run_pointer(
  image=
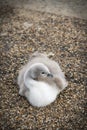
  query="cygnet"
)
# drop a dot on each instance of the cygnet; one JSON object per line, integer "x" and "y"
{"x": 41, "y": 80}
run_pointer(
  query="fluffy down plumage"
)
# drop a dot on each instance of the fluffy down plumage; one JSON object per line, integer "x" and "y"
{"x": 41, "y": 80}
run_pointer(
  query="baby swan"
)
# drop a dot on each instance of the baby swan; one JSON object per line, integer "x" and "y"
{"x": 38, "y": 83}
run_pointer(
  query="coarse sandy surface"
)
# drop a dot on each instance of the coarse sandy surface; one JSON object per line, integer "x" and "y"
{"x": 23, "y": 32}
{"x": 71, "y": 8}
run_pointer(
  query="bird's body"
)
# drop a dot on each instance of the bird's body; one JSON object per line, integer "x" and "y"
{"x": 41, "y": 80}
{"x": 41, "y": 94}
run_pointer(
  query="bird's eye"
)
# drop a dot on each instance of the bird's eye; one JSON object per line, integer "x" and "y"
{"x": 43, "y": 73}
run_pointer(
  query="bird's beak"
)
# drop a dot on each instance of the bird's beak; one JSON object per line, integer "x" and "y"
{"x": 50, "y": 75}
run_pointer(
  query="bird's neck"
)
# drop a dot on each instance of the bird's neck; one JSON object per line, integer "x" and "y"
{"x": 29, "y": 82}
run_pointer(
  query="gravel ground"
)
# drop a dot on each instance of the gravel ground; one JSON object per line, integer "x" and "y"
{"x": 71, "y": 8}
{"x": 23, "y": 32}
